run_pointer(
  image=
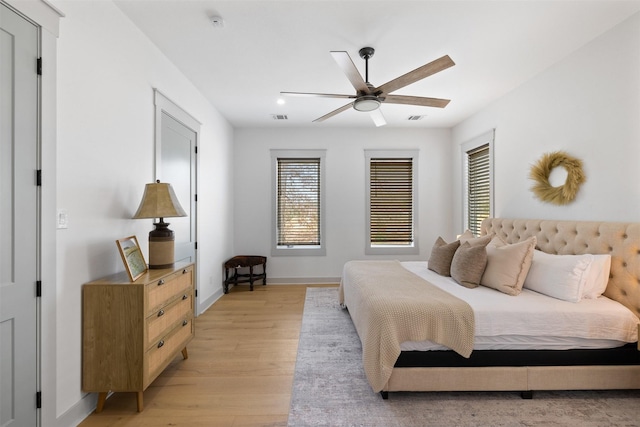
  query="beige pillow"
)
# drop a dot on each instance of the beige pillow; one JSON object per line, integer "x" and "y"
{"x": 468, "y": 236}
{"x": 508, "y": 265}
{"x": 441, "y": 256}
{"x": 468, "y": 264}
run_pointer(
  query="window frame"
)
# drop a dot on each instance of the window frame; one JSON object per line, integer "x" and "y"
{"x": 413, "y": 249}
{"x": 302, "y": 250}
{"x": 471, "y": 145}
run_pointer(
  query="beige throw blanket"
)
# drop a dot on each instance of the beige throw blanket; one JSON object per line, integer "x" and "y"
{"x": 389, "y": 305}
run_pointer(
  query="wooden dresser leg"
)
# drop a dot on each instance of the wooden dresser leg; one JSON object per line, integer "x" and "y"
{"x": 185, "y": 355}
{"x": 102, "y": 396}
{"x": 140, "y": 400}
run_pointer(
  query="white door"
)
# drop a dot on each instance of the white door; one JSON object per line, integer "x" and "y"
{"x": 178, "y": 168}
{"x": 18, "y": 219}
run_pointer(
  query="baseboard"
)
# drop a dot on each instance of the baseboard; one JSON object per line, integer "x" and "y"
{"x": 303, "y": 280}
{"x": 204, "y": 305}
{"x": 78, "y": 412}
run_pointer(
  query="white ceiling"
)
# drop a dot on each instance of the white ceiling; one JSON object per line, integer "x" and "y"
{"x": 270, "y": 46}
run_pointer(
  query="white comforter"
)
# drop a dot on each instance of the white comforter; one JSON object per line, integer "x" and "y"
{"x": 531, "y": 314}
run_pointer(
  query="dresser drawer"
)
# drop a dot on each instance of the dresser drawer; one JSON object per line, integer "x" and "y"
{"x": 163, "y": 351}
{"x": 161, "y": 292}
{"x": 160, "y": 322}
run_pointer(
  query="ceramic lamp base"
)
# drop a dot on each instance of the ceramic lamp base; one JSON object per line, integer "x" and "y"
{"x": 161, "y": 246}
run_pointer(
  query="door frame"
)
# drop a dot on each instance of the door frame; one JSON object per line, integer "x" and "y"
{"x": 165, "y": 105}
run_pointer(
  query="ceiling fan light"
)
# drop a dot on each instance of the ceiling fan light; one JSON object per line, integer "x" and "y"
{"x": 366, "y": 103}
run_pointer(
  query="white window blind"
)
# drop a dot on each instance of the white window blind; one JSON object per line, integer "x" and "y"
{"x": 298, "y": 202}
{"x": 478, "y": 187}
{"x": 391, "y": 201}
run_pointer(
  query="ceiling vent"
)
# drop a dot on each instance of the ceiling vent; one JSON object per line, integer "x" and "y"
{"x": 414, "y": 118}
{"x": 280, "y": 117}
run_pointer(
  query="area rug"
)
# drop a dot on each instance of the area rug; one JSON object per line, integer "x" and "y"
{"x": 330, "y": 388}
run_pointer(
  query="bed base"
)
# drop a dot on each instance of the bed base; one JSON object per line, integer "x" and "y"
{"x": 514, "y": 378}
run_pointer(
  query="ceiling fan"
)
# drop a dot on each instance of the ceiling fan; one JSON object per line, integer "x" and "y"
{"x": 368, "y": 97}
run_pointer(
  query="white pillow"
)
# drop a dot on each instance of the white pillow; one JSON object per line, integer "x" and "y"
{"x": 598, "y": 278}
{"x": 559, "y": 276}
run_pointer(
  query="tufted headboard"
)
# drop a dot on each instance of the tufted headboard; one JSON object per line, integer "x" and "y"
{"x": 620, "y": 239}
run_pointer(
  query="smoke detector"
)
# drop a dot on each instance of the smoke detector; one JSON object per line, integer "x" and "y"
{"x": 217, "y": 21}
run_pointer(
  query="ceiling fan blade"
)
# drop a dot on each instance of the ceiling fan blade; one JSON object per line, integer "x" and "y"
{"x": 417, "y": 100}
{"x": 317, "y": 95}
{"x": 349, "y": 69}
{"x": 378, "y": 118}
{"x": 334, "y": 112}
{"x": 418, "y": 74}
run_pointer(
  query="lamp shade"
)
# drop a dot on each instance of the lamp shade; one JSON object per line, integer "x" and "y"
{"x": 159, "y": 201}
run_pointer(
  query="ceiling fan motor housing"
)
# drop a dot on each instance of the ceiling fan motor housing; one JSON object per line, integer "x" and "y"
{"x": 366, "y": 103}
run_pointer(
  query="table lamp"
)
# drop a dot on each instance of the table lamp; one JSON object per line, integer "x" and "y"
{"x": 159, "y": 201}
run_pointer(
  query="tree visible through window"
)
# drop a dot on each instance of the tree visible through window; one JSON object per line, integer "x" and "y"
{"x": 298, "y": 202}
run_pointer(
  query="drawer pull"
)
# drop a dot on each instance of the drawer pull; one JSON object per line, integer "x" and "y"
{"x": 185, "y": 322}
{"x": 184, "y": 297}
{"x": 161, "y": 343}
{"x": 161, "y": 313}
{"x": 160, "y": 282}
{"x": 184, "y": 271}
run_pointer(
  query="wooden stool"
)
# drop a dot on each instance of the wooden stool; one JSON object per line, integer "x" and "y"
{"x": 241, "y": 261}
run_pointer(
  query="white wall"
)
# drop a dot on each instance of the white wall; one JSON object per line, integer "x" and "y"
{"x": 588, "y": 105}
{"x": 107, "y": 70}
{"x": 345, "y": 193}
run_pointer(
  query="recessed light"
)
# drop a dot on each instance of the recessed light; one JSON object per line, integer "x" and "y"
{"x": 280, "y": 101}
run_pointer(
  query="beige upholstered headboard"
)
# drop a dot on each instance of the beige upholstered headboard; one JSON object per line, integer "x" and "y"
{"x": 621, "y": 240}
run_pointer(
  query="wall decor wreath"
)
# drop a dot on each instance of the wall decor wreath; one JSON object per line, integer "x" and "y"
{"x": 562, "y": 194}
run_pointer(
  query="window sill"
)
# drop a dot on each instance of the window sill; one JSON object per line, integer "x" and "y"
{"x": 298, "y": 251}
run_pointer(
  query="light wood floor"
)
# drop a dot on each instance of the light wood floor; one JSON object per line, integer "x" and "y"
{"x": 239, "y": 371}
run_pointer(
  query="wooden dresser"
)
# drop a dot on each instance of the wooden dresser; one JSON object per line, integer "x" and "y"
{"x": 131, "y": 331}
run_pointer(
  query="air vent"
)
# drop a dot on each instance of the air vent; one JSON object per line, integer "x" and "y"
{"x": 414, "y": 118}
{"x": 279, "y": 117}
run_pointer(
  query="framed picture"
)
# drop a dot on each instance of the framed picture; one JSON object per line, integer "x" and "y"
{"x": 132, "y": 257}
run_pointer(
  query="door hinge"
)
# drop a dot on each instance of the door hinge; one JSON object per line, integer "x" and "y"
{"x": 196, "y": 148}
{"x": 195, "y": 197}
{"x": 196, "y": 245}
{"x": 38, "y": 288}
{"x": 39, "y": 66}
{"x": 39, "y": 400}
{"x": 196, "y": 293}
{"x": 39, "y": 177}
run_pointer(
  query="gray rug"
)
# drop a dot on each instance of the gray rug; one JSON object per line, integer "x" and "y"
{"x": 330, "y": 388}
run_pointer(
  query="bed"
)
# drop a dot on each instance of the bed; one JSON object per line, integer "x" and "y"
{"x": 589, "y": 348}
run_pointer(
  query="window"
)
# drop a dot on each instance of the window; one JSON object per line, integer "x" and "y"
{"x": 391, "y": 202}
{"x": 298, "y": 214}
{"x": 479, "y": 181}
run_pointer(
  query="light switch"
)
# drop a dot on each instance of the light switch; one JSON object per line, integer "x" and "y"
{"x": 63, "y": 219}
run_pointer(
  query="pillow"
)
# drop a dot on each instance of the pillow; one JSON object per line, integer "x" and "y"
{"x": 441, "y": 256}
{"x": 468, "y": 264}
{"x": 559, "y": 276}
{"x": 598, "y": 277}
{"x": 468, "y": 236}
{"x": 508, "y": 265}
